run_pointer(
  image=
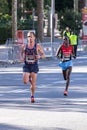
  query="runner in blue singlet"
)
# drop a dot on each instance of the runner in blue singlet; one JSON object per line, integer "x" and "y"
{"x": 30, "y": 54}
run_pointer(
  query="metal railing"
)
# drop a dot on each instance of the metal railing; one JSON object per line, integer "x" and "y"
{"x": 11, "y": 52}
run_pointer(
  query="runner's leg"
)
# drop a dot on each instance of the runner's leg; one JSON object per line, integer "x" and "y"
{"x": 33, "y": 83}
{"x": 26, "y": 77}
{"x": 64, "y": 74}
{"x": 68, "y": 72}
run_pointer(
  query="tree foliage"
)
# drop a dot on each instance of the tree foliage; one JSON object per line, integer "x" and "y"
{"x": 71, "y": 19}
{"x": 64, "y": 8}
{"x": 4, "y": 8}
{"x": 62, "y": 5}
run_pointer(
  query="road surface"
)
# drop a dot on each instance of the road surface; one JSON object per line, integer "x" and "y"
{"x": 51, "y": 111}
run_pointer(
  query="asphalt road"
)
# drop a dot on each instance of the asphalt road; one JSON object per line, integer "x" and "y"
{"x": 51, "y": 111}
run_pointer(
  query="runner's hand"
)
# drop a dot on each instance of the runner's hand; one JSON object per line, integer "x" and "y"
{"x": 22, "y": 60}
{"x": 38, "y": 57}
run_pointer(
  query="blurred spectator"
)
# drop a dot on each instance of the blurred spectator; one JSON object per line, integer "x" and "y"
{"x": 74, "y": 42}
{"x": 66, "y": 32}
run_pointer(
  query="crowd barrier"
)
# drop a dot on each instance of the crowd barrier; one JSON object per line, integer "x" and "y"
{"x": 11, "y": 50}
{"x": 50, "y": 49}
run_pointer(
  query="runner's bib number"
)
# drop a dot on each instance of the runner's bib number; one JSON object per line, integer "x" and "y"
{"x": 66, "y": 58}
{"x": 30, "y": 59}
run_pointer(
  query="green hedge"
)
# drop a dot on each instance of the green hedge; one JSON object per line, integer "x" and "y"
{"x": 27, "y": 24}
{"x": 6, "y": 29}
{"x": 71, "y": 19}
{"x": 5, "y": 33}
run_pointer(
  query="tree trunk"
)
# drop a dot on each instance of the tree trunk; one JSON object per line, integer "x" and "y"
{"x": 40, "y": 20}
{"x": 14, "y": 19}
{"x": 76, "y": 6}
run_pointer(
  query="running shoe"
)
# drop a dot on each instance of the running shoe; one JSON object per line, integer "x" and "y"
{"x": 32, "y": 99}
{"x": 65, "y": 92}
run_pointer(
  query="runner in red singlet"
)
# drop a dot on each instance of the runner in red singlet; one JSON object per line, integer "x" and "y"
{"x": 65, "y": 54}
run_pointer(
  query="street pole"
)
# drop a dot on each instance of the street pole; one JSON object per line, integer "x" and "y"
{"x": 52, "y": 19}
{"x": 52, "y": 22}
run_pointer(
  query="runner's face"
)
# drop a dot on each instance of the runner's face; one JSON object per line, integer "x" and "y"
{"x": 31, "y": 37}
{"x": 66, "y": 41}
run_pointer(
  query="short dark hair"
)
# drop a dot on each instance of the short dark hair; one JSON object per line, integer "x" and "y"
{"x": 32, "y": 33}
{"x": 66, "y": 38}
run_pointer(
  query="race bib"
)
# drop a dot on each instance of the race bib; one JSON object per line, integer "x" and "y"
{"x": 67, "y": 57}
{"x": 30, "y": 59}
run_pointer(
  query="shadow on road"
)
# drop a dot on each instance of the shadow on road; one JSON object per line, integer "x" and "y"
{"x": 11, "y": 127}
{"x": 49, "y": 93}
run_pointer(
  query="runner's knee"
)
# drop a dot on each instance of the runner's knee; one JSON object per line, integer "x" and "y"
{"x": 25, "y": 81}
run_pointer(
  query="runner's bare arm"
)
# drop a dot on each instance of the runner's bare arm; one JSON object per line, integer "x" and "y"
{"x": 59, "y": 53}
{"x": 40, "y": 51}
{"x": 22, "y": 53}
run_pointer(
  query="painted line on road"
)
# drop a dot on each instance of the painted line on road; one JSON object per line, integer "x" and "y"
{"x": 44, "y": 70}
